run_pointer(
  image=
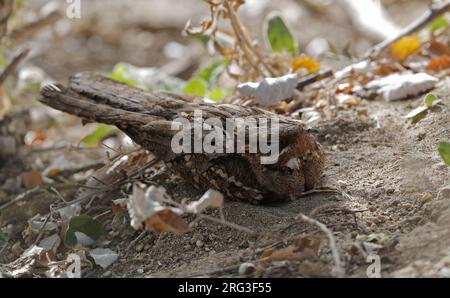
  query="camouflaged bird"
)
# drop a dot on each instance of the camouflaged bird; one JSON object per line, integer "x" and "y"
{"x": 147, "y": 119}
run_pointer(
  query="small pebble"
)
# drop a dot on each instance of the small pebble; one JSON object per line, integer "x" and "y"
{"x": 140, "y": 271}
{"x": 139, "y": 247}
{"x": 444, "y": 193}
{"x": 199, "y": 243}
{"x": 246, "y": 269}
{"x": 414, "y": 220}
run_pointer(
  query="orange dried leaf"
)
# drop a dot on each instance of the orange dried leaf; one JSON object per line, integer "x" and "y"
{"x": 287, "y": 253}
{"x": 117, "y": 209}
{"x": 166, "y": 221}
{"x": 438, "y": 48}
{"x": 32, "y": 179}
{"x": 383, "y": 70}
{"x": 439, "y": 63}
{"x": 267, "y": 253}
{"x": 404, "y": 47}
{"x": 305, "y": 62}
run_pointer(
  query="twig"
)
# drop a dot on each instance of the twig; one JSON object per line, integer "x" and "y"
{"x": 41, "y": 229}
{"x": 229, "y": 224}
{"x": 138, "y": 238}
{"x": 436, "y": 10}
{"x": 229, "y": 269}
{"x": 13, "y": 64}
{"x": 169, "y": 200}
{"x": 79, "y": 168}
{"x": 5, "y": 12}
{"x": 4, "y": 247}
{"x": 238, "y": 30}
{"x": 310, "y": 79}
{"x": 338, "y": 270}
{"x": 31, "y": 29}
{"x": 60, "y": 196}
{"x": 20, "y": 197}
{"x": 319, "y": 190}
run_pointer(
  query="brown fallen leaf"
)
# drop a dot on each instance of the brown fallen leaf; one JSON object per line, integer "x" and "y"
{"x": 438, "y": 48}
{"x": 287, "y": 253}
{"x": 32, "y": 179}
{"x": 439, "y": 63}
{"x": 384, "y": 70}
{"x": 166, "y": 221}
{"x": 117, "y": 209}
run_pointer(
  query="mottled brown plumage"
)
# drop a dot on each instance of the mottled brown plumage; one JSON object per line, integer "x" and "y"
{"x": 147, "y": 119}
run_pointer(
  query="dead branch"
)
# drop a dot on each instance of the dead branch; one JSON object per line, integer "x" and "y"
{"x": 338, "y": 270}
{"x": 13, "y": 64}
{"x": 31, "y": 29}
{"x": 6, "y": 8}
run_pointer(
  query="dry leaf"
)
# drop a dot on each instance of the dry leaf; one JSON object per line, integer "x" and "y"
{"x": 404, "y": 47}
{"x": 439, "y": 63}
{"x": 383, "y": 70}
{"x": 306, "y": 62}
{"x": 146, "y": 207}
{"x": 400, "y": 86}
{"x": 287, "y": 253}
{"x": 270, "y": 91}
{"x": 118, "y": 209}
{"x": 438, "y": 48}
{"x": 308, "y": 243}
{"x": 166, "y": 221}
{"x": 33, "y": 137}
{"x": 211, "y": 199}
{"x": 348, "y": 100}
{"x": 32, "y": 179}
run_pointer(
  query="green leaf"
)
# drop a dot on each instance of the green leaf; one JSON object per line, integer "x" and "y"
{"x": 84, "y": 224}
{"x": 444, "y": 151}
{"x": 212, "y": 71}
{"x": 120, "y": 74}
{"x": 279, "y": 36}
{"x": 418, "y": 114}
{"x": 101, "y": 132}
{"x": 438, "y": 24}
{"x": 196, "y": 87}
{"x": 429, "y": 99}
{"x": 332, "y": 48}
{"x": 217, "y": 94}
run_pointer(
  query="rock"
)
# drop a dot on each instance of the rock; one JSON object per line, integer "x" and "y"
{"x": 104, "y": 257}
{"x": 444, "y": 193}
{"x": 199, "y": 243}
{"x": 414, "y": 220}
{"x": 139, "y": 247}
{"x": 246, "y": 269}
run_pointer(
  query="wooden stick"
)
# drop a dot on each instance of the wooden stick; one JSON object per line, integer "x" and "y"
{"x": 5, "y": 12}
{"x": 13, "y": 64}
{"x": 338, "y": 270}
